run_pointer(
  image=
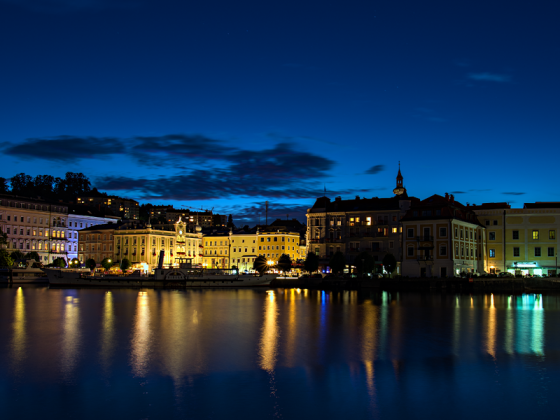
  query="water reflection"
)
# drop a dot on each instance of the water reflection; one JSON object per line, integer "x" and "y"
{"x": 107, "y": 332}
{"x": 141, "y": 339}
{"x": 369, "y": 344}
{"x": 491, "y": 329}
{"x": 268, "y": 348}
{"x": 70, "y": 336}
{"x": 19, "y": 332}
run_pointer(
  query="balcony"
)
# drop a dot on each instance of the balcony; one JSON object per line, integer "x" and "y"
{"x": 425, "y": 238}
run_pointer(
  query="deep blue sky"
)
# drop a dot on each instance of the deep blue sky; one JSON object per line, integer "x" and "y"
{"x": 227, "y": 104}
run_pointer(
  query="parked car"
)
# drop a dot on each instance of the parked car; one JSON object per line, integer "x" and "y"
{"x": 505, "y": 274}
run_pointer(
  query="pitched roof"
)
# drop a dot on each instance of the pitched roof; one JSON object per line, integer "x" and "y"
{"x": 360, "y": 204}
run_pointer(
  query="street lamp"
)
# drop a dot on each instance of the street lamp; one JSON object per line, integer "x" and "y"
{"x": 270, "y": 264}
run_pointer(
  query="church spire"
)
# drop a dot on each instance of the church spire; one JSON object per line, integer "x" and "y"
{"x": 400, "y": 190}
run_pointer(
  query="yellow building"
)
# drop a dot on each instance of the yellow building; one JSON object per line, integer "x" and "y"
{"x": 244, "y": 250}
{"x": 217, "y": 250}
{"x": 275, "y": 243}
{"x": 142, "y": 244}
{"x": 521, "y": 241}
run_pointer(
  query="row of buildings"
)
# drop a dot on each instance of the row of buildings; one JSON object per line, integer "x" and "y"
{"x": 142, "y": 244}
{"x": 437, "y": 236}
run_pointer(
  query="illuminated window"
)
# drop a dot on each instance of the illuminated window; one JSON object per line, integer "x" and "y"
{"x": 492, "y": 253}
{"x": 551, "y": 234}
{"x": 394, "y": 230}
{"x": 535, "y": 234}
{"x": 368, "y": 221}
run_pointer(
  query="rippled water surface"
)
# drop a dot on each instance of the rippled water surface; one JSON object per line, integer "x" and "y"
{"x": 293, "y": 354}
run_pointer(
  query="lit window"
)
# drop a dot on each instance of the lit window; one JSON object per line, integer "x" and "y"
{"x": 492, "y": 253}
{"x": 535, "y": 234}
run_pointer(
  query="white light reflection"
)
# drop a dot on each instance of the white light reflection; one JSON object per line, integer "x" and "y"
{"x": 107, "y": 332}
{"x": 141, "y": 339}
{"x": 537, "y": 332}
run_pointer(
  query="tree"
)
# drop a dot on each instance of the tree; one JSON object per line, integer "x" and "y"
{"x": 260, "y": 265}
{"x": 76, "y": 184}
{"x": 5, "y": 259}
{"x": 59, "y": 262}
{"x": 3, "y": 238}
{"x": 230, "y": 222}
{"x": 74, "y": 263}
{"x": 311, "y": 263}
{"x": 3, "y": 185}
{"x": 90, "y": 263}
{"x": 389, "y": 263}
{"x": 22, "y": 184}
{"x": 284, "y": 263}
{"x": 125, "y": 264}
{"x": 17, "y": 255}
{"x": 107, "y": 263}
{"x": 364, "y": 262}
{"x": 337, "y": 262}
{"x": 33, "y": 255}
{"x": 246, "y": 228}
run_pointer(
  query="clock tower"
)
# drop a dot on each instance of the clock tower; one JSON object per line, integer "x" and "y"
{"x": 400, "y": 190}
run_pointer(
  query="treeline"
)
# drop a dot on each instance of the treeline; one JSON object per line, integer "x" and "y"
{"x": 47, "y": 186}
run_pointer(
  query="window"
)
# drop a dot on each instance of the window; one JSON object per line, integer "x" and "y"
{"x": 391, "y": 244}
{"x": 456, "y": 232}
{"x": 551, "y": 234}
{"x": 442, "y": 250}
{"x": 537, "y": 251}
{"x": 410, "y": 251}
{"x": 495, "y": 223}
{"x": 535, "y": 235}
{"x": 492, "y": 236}
{"x": 462, "y": 252}
{"x": 488, "y": 223}
{"x": 515, "y": 234}
{"x": 551, "y": 251}
{"x": 461, "y": 233}
{"x": 442, "y": 232}
{"x": 410, "y": 233}
{"x": 394, "y": 230}
{"x": 492, "y": 253}
{"x": 456, "y": 251}
{"x": 516, "y": 252}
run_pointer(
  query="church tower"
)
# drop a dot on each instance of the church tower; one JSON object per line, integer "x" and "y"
{"x": 400, "y": 190}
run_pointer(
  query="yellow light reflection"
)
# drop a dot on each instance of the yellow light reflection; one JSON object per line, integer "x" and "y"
{"x": 269, "y": 338}
{"x": 70, "y": 336}
{"x": 369, "y": 344}
{"x": 491, "y": 331}
{"x": 141, "y": 338}
{"x": 108, "y": 331}
{"x": 508, "y": 345}
{"x": 19, "y": 336}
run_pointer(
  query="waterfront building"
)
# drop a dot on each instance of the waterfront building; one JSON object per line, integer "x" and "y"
{"x": 141, "y": 244}
{"x": 442, "y": 238}
{"x": 217, "y": 249}
{"x": 273, "y": 243}
{"x": 243, "y": 250}
{"x": 96, "y": 242}
{"x": 353, "y": 226}
{"x": 82, "y": 217}
{"x": 523, "y": 240}
{"x": 35, "y": 225}
{"x": 123, "y": 207}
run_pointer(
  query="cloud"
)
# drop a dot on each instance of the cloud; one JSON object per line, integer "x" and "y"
{"x": 458, "y": 192}
{"x": 513, "y": 193}
{"x": 66, "y": 148}
{"x": 255, "y": 212}
{"x": 375, "y": 169}
{"x": 490, "y": 77}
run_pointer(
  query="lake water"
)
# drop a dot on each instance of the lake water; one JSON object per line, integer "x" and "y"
{"x": 284, "y": 353}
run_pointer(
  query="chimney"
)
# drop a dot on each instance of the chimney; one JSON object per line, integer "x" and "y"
{"x": 339, "y": 198}
{"x": 452, "y": 199}
{"x": 447, "y": 196}
{"x": 357, "y": 197}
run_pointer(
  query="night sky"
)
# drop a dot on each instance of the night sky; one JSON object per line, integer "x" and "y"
{"x": 226, "y": 104}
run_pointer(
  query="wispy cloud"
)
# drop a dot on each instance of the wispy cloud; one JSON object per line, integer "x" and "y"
{"x": 375, "y": 169}
{"x": 490, "y": 77}
{"x": 513, "y": 193}
{"x": 458, "y": 192}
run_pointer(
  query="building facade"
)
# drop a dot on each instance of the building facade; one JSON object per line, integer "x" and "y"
{"x": 521, "y": 241}
{"x": 442, "y": 238}
{"x": 123, "y": 207}
{"x": 141, "y": 244}
{"x": 217, "y": 250}
{"x": 35, "y": 225}
{"x": 370, "y": 225}
{"x": 82, "y": 217}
